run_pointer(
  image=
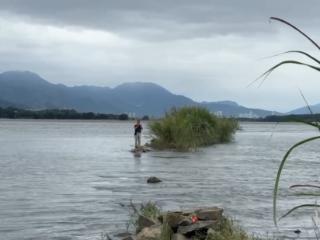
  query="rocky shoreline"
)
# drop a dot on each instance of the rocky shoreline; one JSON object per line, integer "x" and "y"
{"x": 201, "y": 224}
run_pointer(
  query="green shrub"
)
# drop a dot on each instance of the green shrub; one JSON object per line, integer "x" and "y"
{"x": 191, "y": 127}
{"x": 150, "y": 210}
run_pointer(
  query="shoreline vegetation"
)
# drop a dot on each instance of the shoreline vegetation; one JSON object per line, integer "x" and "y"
{"x": 188, "y": 128}
{"x": 70, "y": 114}
{"x": 58, "y": 114}
{"x": 285, "y": 118}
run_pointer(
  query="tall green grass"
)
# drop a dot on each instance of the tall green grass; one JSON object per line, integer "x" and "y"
{"x": 229, "y": 230}
{"x": 149, "y": 209}
{"x": 188, "y": 128}
{"x": 314, "y": 66}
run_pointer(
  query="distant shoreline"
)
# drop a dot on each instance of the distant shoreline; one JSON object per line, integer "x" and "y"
{"x": 12, "y": 113}
{"x": 57, "y": 114}
{"x": 285, "y": 118}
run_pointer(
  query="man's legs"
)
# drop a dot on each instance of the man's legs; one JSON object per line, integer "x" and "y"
{"x": 136, "y": 140}
{"x": 139, "y": 139}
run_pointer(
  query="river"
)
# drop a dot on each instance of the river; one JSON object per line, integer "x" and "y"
{"x": 70, "y": 179}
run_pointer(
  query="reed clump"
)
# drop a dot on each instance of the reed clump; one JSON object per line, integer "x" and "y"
{"x": 188, "y": 128}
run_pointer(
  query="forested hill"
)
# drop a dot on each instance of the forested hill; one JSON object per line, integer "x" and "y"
{"x": 29, "y": 91}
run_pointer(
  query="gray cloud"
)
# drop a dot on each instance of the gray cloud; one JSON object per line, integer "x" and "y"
{"x": 208, "y": 49}
{"x": 165, "y": 19}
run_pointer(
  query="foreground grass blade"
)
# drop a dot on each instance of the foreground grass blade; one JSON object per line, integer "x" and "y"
{"x": 298, "y": 207}
{"x": 316, "y": 123}
{"x": 306, "y": 194}
{"x": 269, "y": 71}
{"x": 305, "y": 101}
{"x": 299, "y": 52}
{"x": 304, "y": 53}
{"x": 313, "y": 124}
{"x": 266, "y": 73}
{"x": 304, "y": 186}
{"x": 297, "y": 29}
{"x": 276, "y": 186}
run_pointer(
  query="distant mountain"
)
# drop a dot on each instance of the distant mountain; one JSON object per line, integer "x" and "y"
{"x": 32, "y": 91}
{"x": 305, "y": 110}
{"x": 229, "y": 108}
{"x": 29, "y": 90}
{"x": 5, "y": 104}
{"x": 149, "y": 98}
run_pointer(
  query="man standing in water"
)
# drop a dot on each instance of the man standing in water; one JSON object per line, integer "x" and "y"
{"x": 137, "y": 134}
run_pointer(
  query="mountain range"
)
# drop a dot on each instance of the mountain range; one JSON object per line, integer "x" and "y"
{"x": 28, "y": 90}
{"x": 305, "y": 110}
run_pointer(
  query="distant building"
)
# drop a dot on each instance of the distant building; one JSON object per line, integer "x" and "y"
{"x": 218, "y": 113}
{"x": 131, "y": 114}
{"x": 248, "y": 115}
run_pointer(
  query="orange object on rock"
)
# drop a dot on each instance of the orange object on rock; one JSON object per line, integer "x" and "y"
{"x": 194, "y": 219}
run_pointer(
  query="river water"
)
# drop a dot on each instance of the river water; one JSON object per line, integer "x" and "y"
{"x": 70, "y": 179}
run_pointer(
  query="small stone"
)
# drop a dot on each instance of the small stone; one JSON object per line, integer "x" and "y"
{"x": 196, "y": 226}
{"x": 153, "y": 180}
{"x": 297, "y": 231}
{"x": 150, "y": 233}
{"x": 213, "y": 213}
{"x": 144, "y": 222}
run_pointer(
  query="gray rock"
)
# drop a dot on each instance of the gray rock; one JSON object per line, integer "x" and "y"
{"x": 197, "y": 226}
{"x": 144, "y": 222}
{"x": 174, "y": 218}
{"x": 213, "y": 213}
{"x": 185, "y": 222}
{"x": 153, "y": 180}
{"x": 150, "y": 233}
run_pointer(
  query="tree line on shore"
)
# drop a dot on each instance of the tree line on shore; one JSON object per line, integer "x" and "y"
{"x": 17, "y": 113}
{"x": 286, "y": 118}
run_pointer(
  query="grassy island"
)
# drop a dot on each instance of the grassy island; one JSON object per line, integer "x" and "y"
{"x": 188, "y": 128}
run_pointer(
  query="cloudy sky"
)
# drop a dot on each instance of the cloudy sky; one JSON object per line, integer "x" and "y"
{"x": 208, "y": 50}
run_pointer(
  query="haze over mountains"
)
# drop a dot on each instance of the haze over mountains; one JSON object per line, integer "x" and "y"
{"x": 29, "y": 90}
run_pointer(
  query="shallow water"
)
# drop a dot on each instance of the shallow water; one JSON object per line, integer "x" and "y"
{"x": 69, "y": 179}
